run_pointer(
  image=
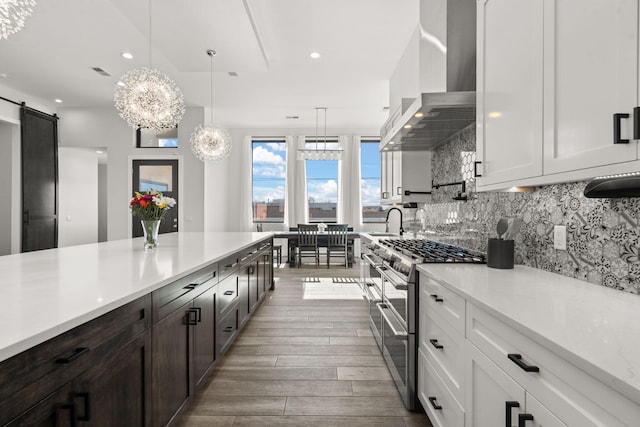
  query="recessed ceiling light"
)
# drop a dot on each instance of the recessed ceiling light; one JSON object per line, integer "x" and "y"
{"x": 392, "y": 142}
{"x": 58, "y": 100}
{"x": 121, "y": 84}
{"x": 315, "y": 55}
{"x": 127, "y": 55}
{"x": 418, "y": 114}
{"x": 407, "y": 126}
{"x": 3, "y": 75}
{"x": 99, "y": 151}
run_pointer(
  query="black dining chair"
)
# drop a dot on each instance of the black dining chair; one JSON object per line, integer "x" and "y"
{"x": 337, "y": 242}
{"x": 308, "y": 243}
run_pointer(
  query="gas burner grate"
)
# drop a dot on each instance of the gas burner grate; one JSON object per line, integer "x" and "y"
{"x": 430, "y": 251}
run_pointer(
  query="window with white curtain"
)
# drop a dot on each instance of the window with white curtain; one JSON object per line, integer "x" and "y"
{"x": 372, "y": 211}
{"x": 269, "y": 156}
{"x": 322, "y": 182}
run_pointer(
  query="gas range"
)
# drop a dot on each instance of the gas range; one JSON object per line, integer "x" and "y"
{"x": 403, "y": 255}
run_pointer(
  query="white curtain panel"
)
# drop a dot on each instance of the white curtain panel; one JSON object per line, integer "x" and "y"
{"x": 246, "y": 168}
{"x": 349, "y": 183}
{"x": 296, "y": 201}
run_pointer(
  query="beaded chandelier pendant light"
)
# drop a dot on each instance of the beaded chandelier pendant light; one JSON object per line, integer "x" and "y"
{"x": 147, "y": 98}
{"x": 209, "y": 142}
{"x": 13, "y": 13}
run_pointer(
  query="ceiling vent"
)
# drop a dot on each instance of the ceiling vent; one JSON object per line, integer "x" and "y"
{"x": 233, "y": 74}
{"x": 100, "y": 71}
{"x": 292, "y": 117}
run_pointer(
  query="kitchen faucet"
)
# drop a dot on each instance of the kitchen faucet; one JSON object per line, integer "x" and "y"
{"x": 386, "y": 228}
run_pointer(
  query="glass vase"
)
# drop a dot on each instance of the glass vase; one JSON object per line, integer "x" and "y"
{"x": 150, "y": 229}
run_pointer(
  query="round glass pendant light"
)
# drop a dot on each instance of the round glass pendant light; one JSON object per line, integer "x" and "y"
{"x": 209, "y": 142}
{"x": 147, "y": 98}
{"x": 13, "y": 13}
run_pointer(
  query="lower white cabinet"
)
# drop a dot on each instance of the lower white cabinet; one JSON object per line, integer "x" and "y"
{"x": 441, "y": 407}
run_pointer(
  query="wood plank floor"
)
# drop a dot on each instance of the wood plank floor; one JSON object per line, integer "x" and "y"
{"x": 306, "y": 358}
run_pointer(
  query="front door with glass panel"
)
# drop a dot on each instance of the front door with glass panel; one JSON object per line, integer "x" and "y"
{"x": 162, "y": 176}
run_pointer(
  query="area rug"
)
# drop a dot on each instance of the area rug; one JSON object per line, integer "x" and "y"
{"x": 345, "y": 280}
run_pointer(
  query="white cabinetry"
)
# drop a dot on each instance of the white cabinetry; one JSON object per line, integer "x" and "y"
{"x": 548, "y": 92}
{"x": 403, "y": 171}
{"x": 509, "y": 90}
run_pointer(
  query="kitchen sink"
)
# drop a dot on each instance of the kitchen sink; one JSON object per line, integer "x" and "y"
{"x": 379, "y": 234}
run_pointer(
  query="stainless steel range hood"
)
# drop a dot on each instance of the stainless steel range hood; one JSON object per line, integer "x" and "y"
{"x": 446, "y": 103}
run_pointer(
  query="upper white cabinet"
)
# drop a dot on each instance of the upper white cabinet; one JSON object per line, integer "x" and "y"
{"x": 550, "y": 80}
{"x": 509, "y": 90}
{"x": 402, "y": 172}
{"x": 590, "y": 73}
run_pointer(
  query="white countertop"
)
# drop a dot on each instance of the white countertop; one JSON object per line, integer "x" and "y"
{"x": 46, "y": 293}
{"x": 595, "y": 328}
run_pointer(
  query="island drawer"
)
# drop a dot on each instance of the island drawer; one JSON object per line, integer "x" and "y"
{"x": 227, "y": 330}
{"x": 228, "y": 266}
{"x": 227, "y": 294}
{"x": 174, "y": 295}
{"x": 28, "y": 377}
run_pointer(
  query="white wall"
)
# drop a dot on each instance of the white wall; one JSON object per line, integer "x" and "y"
{"x": 103, "y": 203}
{"x": 6, "y": 149}
{"x": 78, "y": 196}
{"x": 102, "y": 127}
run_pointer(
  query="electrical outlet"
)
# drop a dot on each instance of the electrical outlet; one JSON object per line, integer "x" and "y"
{"x": 560, "y": 237}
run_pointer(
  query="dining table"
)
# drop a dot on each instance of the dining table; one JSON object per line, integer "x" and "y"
{"x": 323, "y": 240}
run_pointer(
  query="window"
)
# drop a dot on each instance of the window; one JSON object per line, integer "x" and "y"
{"x": 151, "y": 138}
{"x": 322, "y": 183}
{"x": 269, "y": 173}
{"x": 372, "y": 211}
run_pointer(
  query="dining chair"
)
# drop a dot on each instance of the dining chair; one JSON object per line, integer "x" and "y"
{"x": 259, "y": 226}
{"x": 308, "y": 243}
{"x": 337, "y": 242}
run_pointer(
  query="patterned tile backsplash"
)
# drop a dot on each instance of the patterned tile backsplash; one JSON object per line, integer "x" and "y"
{"x": 603, "y": 236}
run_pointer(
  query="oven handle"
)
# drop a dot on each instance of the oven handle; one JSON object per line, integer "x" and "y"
{"x": 400, "y": 287}
{"x": 370, "y": 295}
{"x": 370, "y": 261}
{"x": 398, "y": 330}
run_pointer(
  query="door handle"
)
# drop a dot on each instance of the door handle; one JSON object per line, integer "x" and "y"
{"x": 475, "y": 169}
{"x": 523, "y": 418}
{"x": 71, "y": 407}
{"x": 436, "y": 344}
{"x": 510, "y": 404}
{"x": 617, "y": 119}
{"x": 87, "y": 407}
{"x": 434, "y": 403}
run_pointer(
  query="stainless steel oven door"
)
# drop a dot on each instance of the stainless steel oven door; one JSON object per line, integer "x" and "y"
{"x": 399, "y": 354}
{"x": 371, "y": 282}
{"x": 395, "y": 293}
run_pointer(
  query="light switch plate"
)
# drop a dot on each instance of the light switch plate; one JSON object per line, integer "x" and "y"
{"x": 560, "y": 237}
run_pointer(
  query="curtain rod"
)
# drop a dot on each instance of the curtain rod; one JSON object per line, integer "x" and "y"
{"x": 24, "y": 105}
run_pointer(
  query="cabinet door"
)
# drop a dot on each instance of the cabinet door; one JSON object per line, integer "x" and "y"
{"x": 118, "y": 388}
{"x": 56, "y": 410}
{"x": 489, "y": 391}
{"x": 590, "y": 73}
{"x": 243, "y": 294}
{"x": 542, "y": 417}
{"x": 396, "y": 180}
{"x": 170, "y": 364}
{"x": 509, "y": 90}
{"x": 253, "y": 271}
{"x": 204, "y": 332}
{"x": 263, "y": 262}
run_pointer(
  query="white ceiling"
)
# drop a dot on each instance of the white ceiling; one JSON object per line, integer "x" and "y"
{"x": 267, "y": 42}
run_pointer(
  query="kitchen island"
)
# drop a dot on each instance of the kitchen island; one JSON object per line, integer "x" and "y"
{"x": 191, "y": 294}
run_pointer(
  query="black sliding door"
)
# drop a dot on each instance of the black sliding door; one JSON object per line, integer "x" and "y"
{"x": 39, "y": 139}
{"x": 162, "y": 176}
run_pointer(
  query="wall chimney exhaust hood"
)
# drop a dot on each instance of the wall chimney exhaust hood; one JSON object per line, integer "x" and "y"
{"x": 614, "y": 186}
{"x": 445, "y": 79}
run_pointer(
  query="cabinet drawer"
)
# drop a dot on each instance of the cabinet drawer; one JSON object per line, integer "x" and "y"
{"x": 228, "y": 266}
{"x": 248, "y": 254}
{"x": 445, "y": 349}
{"x": 571, "y": 394}
{"x": 174, "y": 295}
{"x": 227, "y": 330}
{"x": 227, "y": 294}
{"x": 28, "y": 377}
{"x": 441, "y": 407}
{"x": 442, "y": 302}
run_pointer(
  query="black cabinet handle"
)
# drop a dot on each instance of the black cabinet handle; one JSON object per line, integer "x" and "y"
{"x": 250, "y": 270}
{"x": 435, "y": 405}
{"x": 436, "y": 344}
{"x": 399, "y": 191}
{"x": 231, "y": 265}
{"x": 475, "y": 170}
{"x": 199, "y": 310}
{"x": 510, "y": 404}
{"x": 76, "y": 353}
{"x": 87, "y": 407}
{"x": 228, "y": 329}
{"x": 385, "y": 194}
{"x": 190, "y": 287}
{"x": 191, "y": 320}
{"x": 436, "y": 298}
{"x": 523, "y": 418}
{"x": 229, "y": 292}
{"x": 25, "y": 217}
{"x": 71, "y": 407}
{"x": 517, "y": 359}
{"x": 636, "y": 123}
{"x": 617, "y": 118}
